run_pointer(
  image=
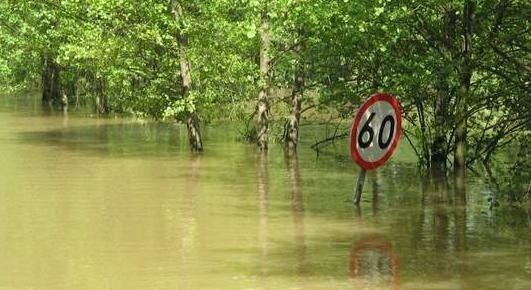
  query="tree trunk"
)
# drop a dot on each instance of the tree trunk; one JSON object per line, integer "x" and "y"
{"x": 194, "y": 133}
{"x": 192, "y": 122}
{"x": 439, "y": 148}
{"x": 297, "y": 93}
{"x": 64, "y": 102}
{"x": 263, "y": 95}
{"x": 47, "y": 77}
{"x": 51, "y": 82}
{"x": 102, "y": 101}
{"x": 463, "y": 94}
{"x": 56, "y": 83}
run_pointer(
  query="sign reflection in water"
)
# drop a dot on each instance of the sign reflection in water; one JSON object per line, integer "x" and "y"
{"x": 373, "y": 264}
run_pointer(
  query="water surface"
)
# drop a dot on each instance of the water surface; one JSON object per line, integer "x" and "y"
{"x": 88, "y": 203}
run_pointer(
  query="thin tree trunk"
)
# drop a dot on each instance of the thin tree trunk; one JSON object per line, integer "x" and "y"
{"x": 439, "y": 143}
{"x": 64, "y": 101}
{"x": 51, "y": 82}
{"x": 192, "y": 122}
{"x": 46, "y": 82}
{"x": 102, "y": 100}
{"x": 263, "y": 95}
{"x": 99, "y": 98}
{"x": 56, "y": 83}
{"x": 194, "y": 133}
{"x": 297, "y": 93}
{"x": 463, "y": 94}
{"x": 76, "y": 93}
{"x": 438, "y": 146}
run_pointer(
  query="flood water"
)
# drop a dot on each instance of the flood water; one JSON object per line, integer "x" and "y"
{"x": 88, "y": 203}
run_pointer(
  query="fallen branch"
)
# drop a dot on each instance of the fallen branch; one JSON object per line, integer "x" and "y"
{"x": 316, "y": 146}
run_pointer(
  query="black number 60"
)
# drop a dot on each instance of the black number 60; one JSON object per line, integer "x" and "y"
{"x": 367, "y": 128}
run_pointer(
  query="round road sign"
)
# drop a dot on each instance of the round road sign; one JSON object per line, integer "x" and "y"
{"x": 376, "y": 131}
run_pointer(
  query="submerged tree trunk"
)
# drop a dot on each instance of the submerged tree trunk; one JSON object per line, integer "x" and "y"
{"x": 297, "y": 93}
{"x": 192, "y": 121}
{"x": 463, "y": 95}
{"x": 439, "y": 147}
{"x": 263, "y": 95}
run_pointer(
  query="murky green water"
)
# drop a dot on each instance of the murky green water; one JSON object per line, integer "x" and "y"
{"x": 91, "y": 203}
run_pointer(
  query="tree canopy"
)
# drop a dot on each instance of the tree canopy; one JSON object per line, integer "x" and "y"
{"x": 460, "y": 68}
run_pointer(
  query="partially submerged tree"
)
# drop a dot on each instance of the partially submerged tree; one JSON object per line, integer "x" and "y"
{"x": 192, "y": 120}
{"x": 459, "y": 68}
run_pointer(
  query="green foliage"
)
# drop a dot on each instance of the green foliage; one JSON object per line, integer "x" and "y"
{"x": 511, "y": 177}
{"x": 127, "y": 52}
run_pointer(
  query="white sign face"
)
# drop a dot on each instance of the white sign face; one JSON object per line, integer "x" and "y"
{"x": 376, "y": 131}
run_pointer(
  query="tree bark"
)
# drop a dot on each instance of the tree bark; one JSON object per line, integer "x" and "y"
{"x": 194, "y": 133}
{"x": 46, "y": 84}
{"x": 439, "y": 148}
{"x": 263, "y": 95}
{"x": 297, "y": 93}
{"x": 103, "y": 105}
{"x": 463, "y": 94}
{"x": 192, "y": 121}
{"x": 56, "y": 83}
{"x": 51, "y": 82}
{"x": 64, "y": 101}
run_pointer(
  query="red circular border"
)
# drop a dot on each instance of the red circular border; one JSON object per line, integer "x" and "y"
{"x": 353, "y": 131}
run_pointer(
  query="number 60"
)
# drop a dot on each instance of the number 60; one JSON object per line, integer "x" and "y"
{"x": 367, "y": 129}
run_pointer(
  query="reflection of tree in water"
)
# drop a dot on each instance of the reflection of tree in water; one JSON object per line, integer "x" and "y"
{"x": 188, "y": 221}
{"x": 432, "y": 233}
{"x": 449, "y": 213}
{"x": 373, "y": 264}
{"x": 297, "y": 208}
{"x": 440, "y": 200}
{"x": 263, "y": 195}
{"x": 189, "y": 203}
{"x": 439, "y": 235}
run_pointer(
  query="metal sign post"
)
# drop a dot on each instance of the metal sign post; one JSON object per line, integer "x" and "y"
{"x": 359, "y": 186}
{"x": 374, "y": 135}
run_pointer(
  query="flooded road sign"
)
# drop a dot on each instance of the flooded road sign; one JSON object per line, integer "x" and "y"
{"x": 376, "y": 131}
{"x": 374, "y": 135}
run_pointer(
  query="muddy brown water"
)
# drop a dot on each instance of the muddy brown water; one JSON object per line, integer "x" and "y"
{"x": 88, "y": 203}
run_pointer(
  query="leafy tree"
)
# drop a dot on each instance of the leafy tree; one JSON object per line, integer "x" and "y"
{"x": 460, "y": 68}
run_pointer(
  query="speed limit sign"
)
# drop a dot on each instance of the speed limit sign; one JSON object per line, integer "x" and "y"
{"x": 376, "y": 131}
